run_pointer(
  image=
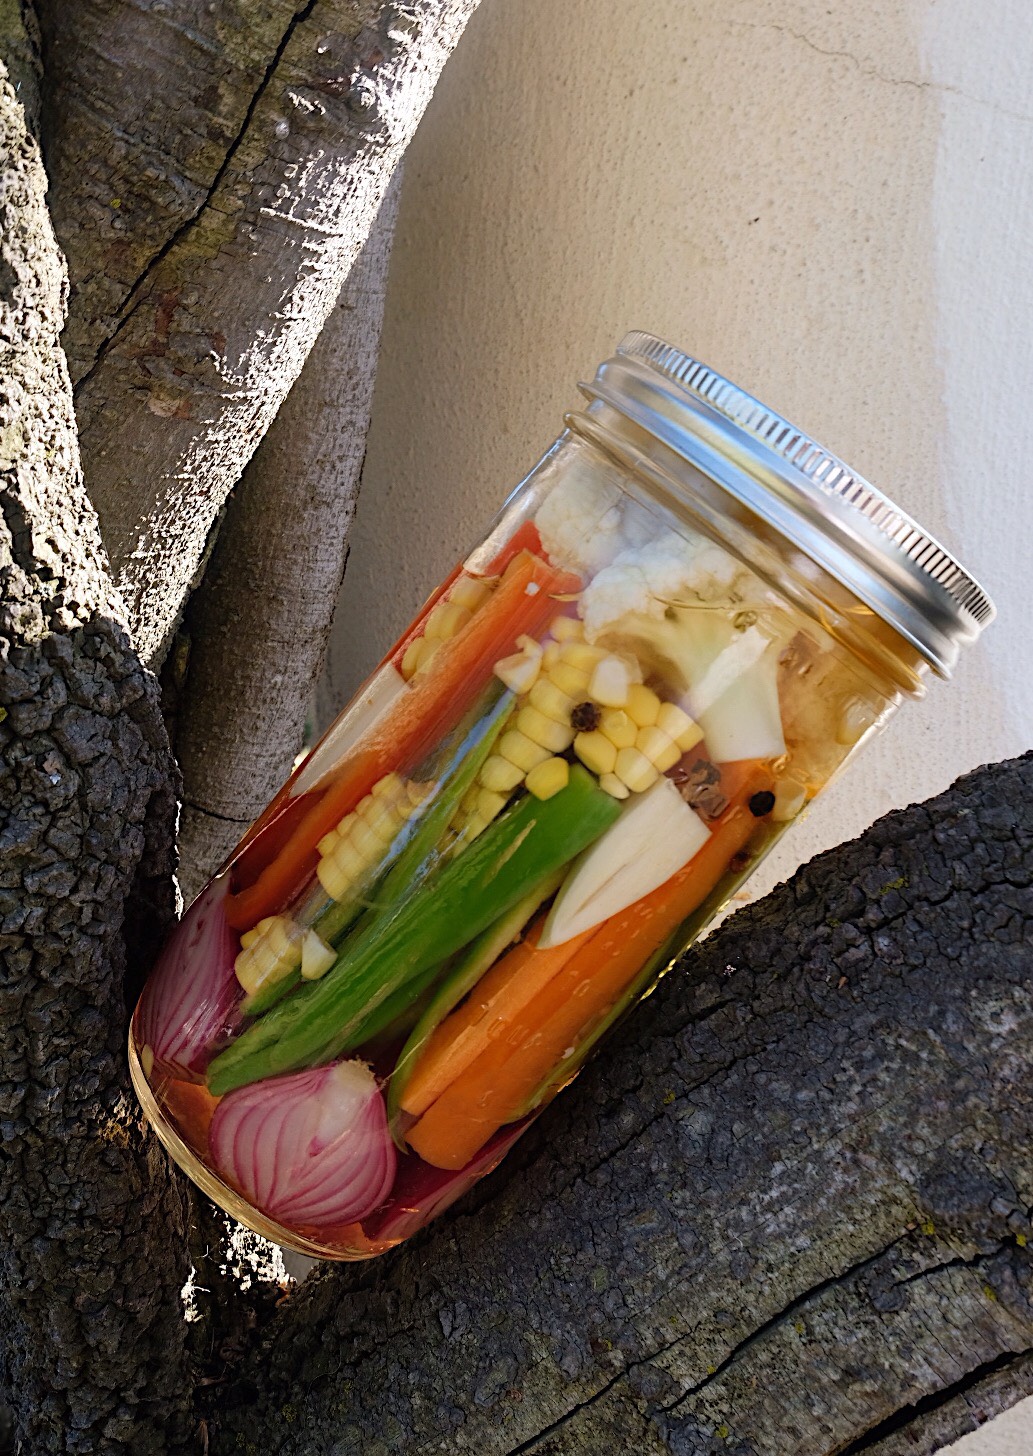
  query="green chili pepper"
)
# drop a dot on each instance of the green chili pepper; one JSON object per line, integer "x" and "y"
{"x": 478, "y": 958}
{"x": 456, "y": 769}
{"x": 520, "y": 850}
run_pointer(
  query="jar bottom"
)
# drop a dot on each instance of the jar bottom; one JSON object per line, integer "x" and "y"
{"x": 223, "y": 1195}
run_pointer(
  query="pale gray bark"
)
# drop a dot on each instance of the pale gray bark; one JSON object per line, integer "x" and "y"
{"x": 257, "y": 627}
{"x": 92, "y": 1218}
{"x": 788, "y": 1210}
{"x": 143, "y": 103}
{"x": 215, "y": 330}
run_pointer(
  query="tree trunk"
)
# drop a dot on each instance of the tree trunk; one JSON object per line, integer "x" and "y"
{"x": 787, "y": 1211}
{"x": 92, "y": 1217}
{"x": 196, "y": 352}
{"x": 261, "y": 613}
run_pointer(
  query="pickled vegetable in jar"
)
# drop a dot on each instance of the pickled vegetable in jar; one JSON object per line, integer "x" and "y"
{"x": 680, "y": 627}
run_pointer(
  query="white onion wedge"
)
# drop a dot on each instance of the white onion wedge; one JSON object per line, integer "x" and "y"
{"x": 656, "y": 834}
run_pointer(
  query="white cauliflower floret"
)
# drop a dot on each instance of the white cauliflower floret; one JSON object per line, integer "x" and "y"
{"x": 670, "y": 568}
{"x": 579, "y": 522}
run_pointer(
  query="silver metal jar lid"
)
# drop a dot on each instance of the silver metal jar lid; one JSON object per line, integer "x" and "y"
{"x": 801, "y": 490}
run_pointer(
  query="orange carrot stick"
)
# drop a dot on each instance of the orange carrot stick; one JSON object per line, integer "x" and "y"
{"x": 515, "y": 1062}
{"x": 522, "y": 602}
{"x": 497, "y": 1000}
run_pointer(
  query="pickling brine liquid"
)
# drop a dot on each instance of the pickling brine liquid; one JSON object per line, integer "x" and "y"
{"x": 586, "y": 741}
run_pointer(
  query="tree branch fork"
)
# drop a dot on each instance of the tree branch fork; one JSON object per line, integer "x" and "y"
{"x": 787, "y": 1208}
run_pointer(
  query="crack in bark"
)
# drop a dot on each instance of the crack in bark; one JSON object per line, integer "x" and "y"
{"x": 908, "y": 1414}
{"x": 138, "y": 289}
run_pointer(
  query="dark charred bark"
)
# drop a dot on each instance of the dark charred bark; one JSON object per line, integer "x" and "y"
{"x": 92, "y": 1219}
{"x": 787, "y": 1210}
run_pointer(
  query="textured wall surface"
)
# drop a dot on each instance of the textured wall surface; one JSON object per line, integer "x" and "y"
{"x": 829, "y": 204}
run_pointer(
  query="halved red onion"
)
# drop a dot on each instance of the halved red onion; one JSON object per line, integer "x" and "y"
{"x": 192, "y": 996}
{"x": 309, "y": 1149}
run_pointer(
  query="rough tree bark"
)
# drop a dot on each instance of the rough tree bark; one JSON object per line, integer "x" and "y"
{"x": 199, "y": 329}
{"x": 92, "y": 1219}
{"x": 787, "y": 1211}
{"x": 274, "y": 575}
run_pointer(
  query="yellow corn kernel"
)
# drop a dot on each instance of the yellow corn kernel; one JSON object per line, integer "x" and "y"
{"x": 615, "y": 725}
{"x": 552, "y": 701}
{"x": 530, "y": 645}
{"x": 519, "y": 672}
{"x": 277, "y": 933}
{"x": 411, "y": 658}
{"x": 570, "y": 680}
{"x": 567, "y": 629}
{"x": 500, "y": 775}
{"x": 643, "y": 705}
{"x": 476, "y": 824}
{"x": 365, "y": 840}
{"x": 548, "y": 778}
{"x": 610, "y": 682}
{"x": 384, "y": 819}
{"x": 326, "y": 844}
{"x": 468, "y": 803}
{"x": 470, "y": 592}
{"x": 521, "y": 750}
{"x": 391, "y": 784}
{"x": 613, "y": 786}
{"x": 316, "y": 956}
{"x": 596, "y": 752}
{"x": 427, "y": 655}
{"x": 634, "y": 769}
{"x": 550, "y": 656}
{"x": 445, "y": 620}
{"x": 274, "y": 952}
{"x": 663, "y": 753}
{"x": 348, "y": 859}
{"x": 333, "y": 880}
{"x": 489, "y": 804}
{"x": 677, "y": 724}
{"x": 544, "y": 731}
{"x": 581, "y": 655}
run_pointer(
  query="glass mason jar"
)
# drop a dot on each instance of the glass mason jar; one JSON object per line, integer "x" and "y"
{"x": 681, "y": 625}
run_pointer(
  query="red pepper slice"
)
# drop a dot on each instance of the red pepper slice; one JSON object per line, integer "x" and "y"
{"x": 523, "y": 602}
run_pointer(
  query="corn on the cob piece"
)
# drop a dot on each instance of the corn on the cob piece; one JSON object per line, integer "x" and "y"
{"x": 567, "y": 629}
{"x": 358, "y": 843}
{"x": 447, "y": 617}
{"x": 635, "y": 770}
{"x": 610, "y": 682}
{"x": 663, "y": 753}
{"x": 269, "y": 951}
{"x": 596, "y": 752}
{"x": 548, "y": 778}
{"x": 643, "y": 706}
{"x": 573, "y": 692}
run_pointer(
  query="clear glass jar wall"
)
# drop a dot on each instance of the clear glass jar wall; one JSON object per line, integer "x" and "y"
{"x": 588, "y": 738}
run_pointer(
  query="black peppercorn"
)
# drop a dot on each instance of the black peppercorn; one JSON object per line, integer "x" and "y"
{"x": 762, "y": 803}
{"x": 585, "y": 717}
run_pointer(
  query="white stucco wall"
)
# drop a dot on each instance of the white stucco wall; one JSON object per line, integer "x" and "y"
{"x": 832, "y": 208}
{"x": 831, "y": 204}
